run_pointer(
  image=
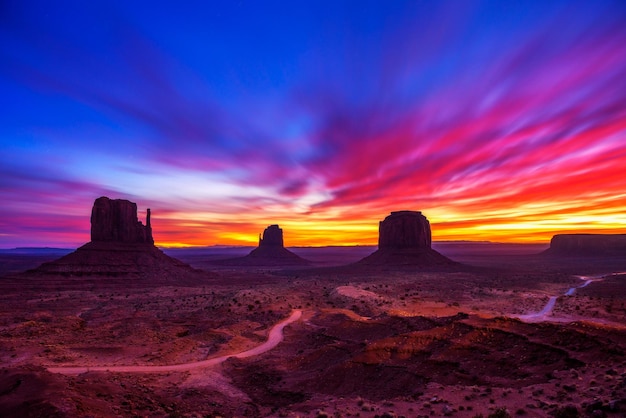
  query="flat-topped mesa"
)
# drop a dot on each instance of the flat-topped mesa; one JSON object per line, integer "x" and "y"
{"x": 404, "y": 229}
{"x": 115, "y": 220}
{"x": 404, "y": 239}
{"x": 587, "y": 245}
{"x": 272, "y": 237}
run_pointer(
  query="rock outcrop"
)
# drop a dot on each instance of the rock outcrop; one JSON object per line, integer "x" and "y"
{"x": 272, "y": 237}
{"x": 404, "y": 239}
{"x": 116, "y": 221}
{"x": 120, "y": 246}
{"x": 270, "y": 252}
{"x": 577, "y": 245}
{"x": 404, "y": 229}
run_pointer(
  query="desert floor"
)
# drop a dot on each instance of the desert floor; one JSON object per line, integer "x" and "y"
{"x": 358, "y": 342}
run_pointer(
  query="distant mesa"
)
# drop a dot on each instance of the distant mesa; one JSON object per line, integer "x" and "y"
{"x": 577, "y": 245}
{"x": 270, "y": 252}
{"x": 404, "y": 239}
{"x": 120, "y": 246}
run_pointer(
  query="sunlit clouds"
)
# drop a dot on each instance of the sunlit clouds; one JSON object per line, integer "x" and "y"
{"x": 500, "y": 121}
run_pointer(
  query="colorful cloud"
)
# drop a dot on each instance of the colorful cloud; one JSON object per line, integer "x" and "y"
{"x": 499, "y": 120}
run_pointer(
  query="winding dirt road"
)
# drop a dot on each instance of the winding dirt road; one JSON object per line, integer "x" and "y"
{"x": 274, "y": 338}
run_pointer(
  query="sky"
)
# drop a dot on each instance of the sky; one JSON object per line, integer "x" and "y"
{"x": 499, "y": 120}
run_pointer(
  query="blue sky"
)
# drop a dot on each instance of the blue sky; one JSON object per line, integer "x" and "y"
{"x": 500, "y": 120}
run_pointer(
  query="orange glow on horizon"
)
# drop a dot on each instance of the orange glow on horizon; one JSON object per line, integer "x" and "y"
{"x": 531, "y": 223}
{"x": 508, "y": 127}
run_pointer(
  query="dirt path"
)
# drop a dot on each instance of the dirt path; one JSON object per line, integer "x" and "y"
{"x": 274, "y": 338}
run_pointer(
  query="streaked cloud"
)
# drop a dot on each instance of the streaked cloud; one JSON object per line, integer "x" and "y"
{"x": 501, "y": 121}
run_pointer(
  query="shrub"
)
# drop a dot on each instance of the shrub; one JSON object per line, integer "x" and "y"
{"x": 499, "y": 413}
{"x": 569, "y": 411}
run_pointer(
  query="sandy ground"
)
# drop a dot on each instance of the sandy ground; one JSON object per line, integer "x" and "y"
{"x": 274, "y": 337}
{"x": 348, "y": 343}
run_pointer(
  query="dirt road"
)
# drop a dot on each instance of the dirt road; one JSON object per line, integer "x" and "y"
{"x": 274, "y": 338}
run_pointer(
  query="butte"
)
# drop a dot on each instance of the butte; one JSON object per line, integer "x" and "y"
{"x": 270, "y": 252}
{"x": 404, "y": 239}
{"x": 121, "y": 246}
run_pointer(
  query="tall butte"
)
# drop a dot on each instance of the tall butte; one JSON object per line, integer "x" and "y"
{"x": 121, "y": 246}
{"x": 116, "y": 221}
{"x": 270, "y": 252}
{"x": 404, "y": 239}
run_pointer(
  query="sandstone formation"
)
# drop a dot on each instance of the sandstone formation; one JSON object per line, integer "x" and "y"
{"x": 270, "y": 252}
{"x": 576, "y": 245}
{"x": 404, "y": 229}
{"x": 404, "y": 239}
{"x": 120, "y": 246}
{"x": 116, "y": 221}
{"x": 272, "y": 237}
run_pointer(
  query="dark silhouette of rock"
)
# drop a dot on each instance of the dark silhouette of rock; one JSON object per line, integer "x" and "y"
{"x": 272, "y": 236}
{"x": 116, "y": 220}
{"x": 270, "y": 252}
{"x": 576, "y": 245}
{"x": 404, "y": 239}
{"x": 120, "y": 246}
{"x": 404, "y": 229}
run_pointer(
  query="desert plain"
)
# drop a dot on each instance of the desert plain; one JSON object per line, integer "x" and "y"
{"x": 364, "y": 342}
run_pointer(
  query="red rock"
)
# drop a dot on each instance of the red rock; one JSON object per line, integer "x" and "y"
{"x": 404, "y": 229}
{"x": 404, "y": 239}
{"x": 272, "y": 237}
{"x": 121, "y": 246}
{"x": 587, "y": 245}
{"x": 116, "y": 220}
{"x": 270, "y": 252}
